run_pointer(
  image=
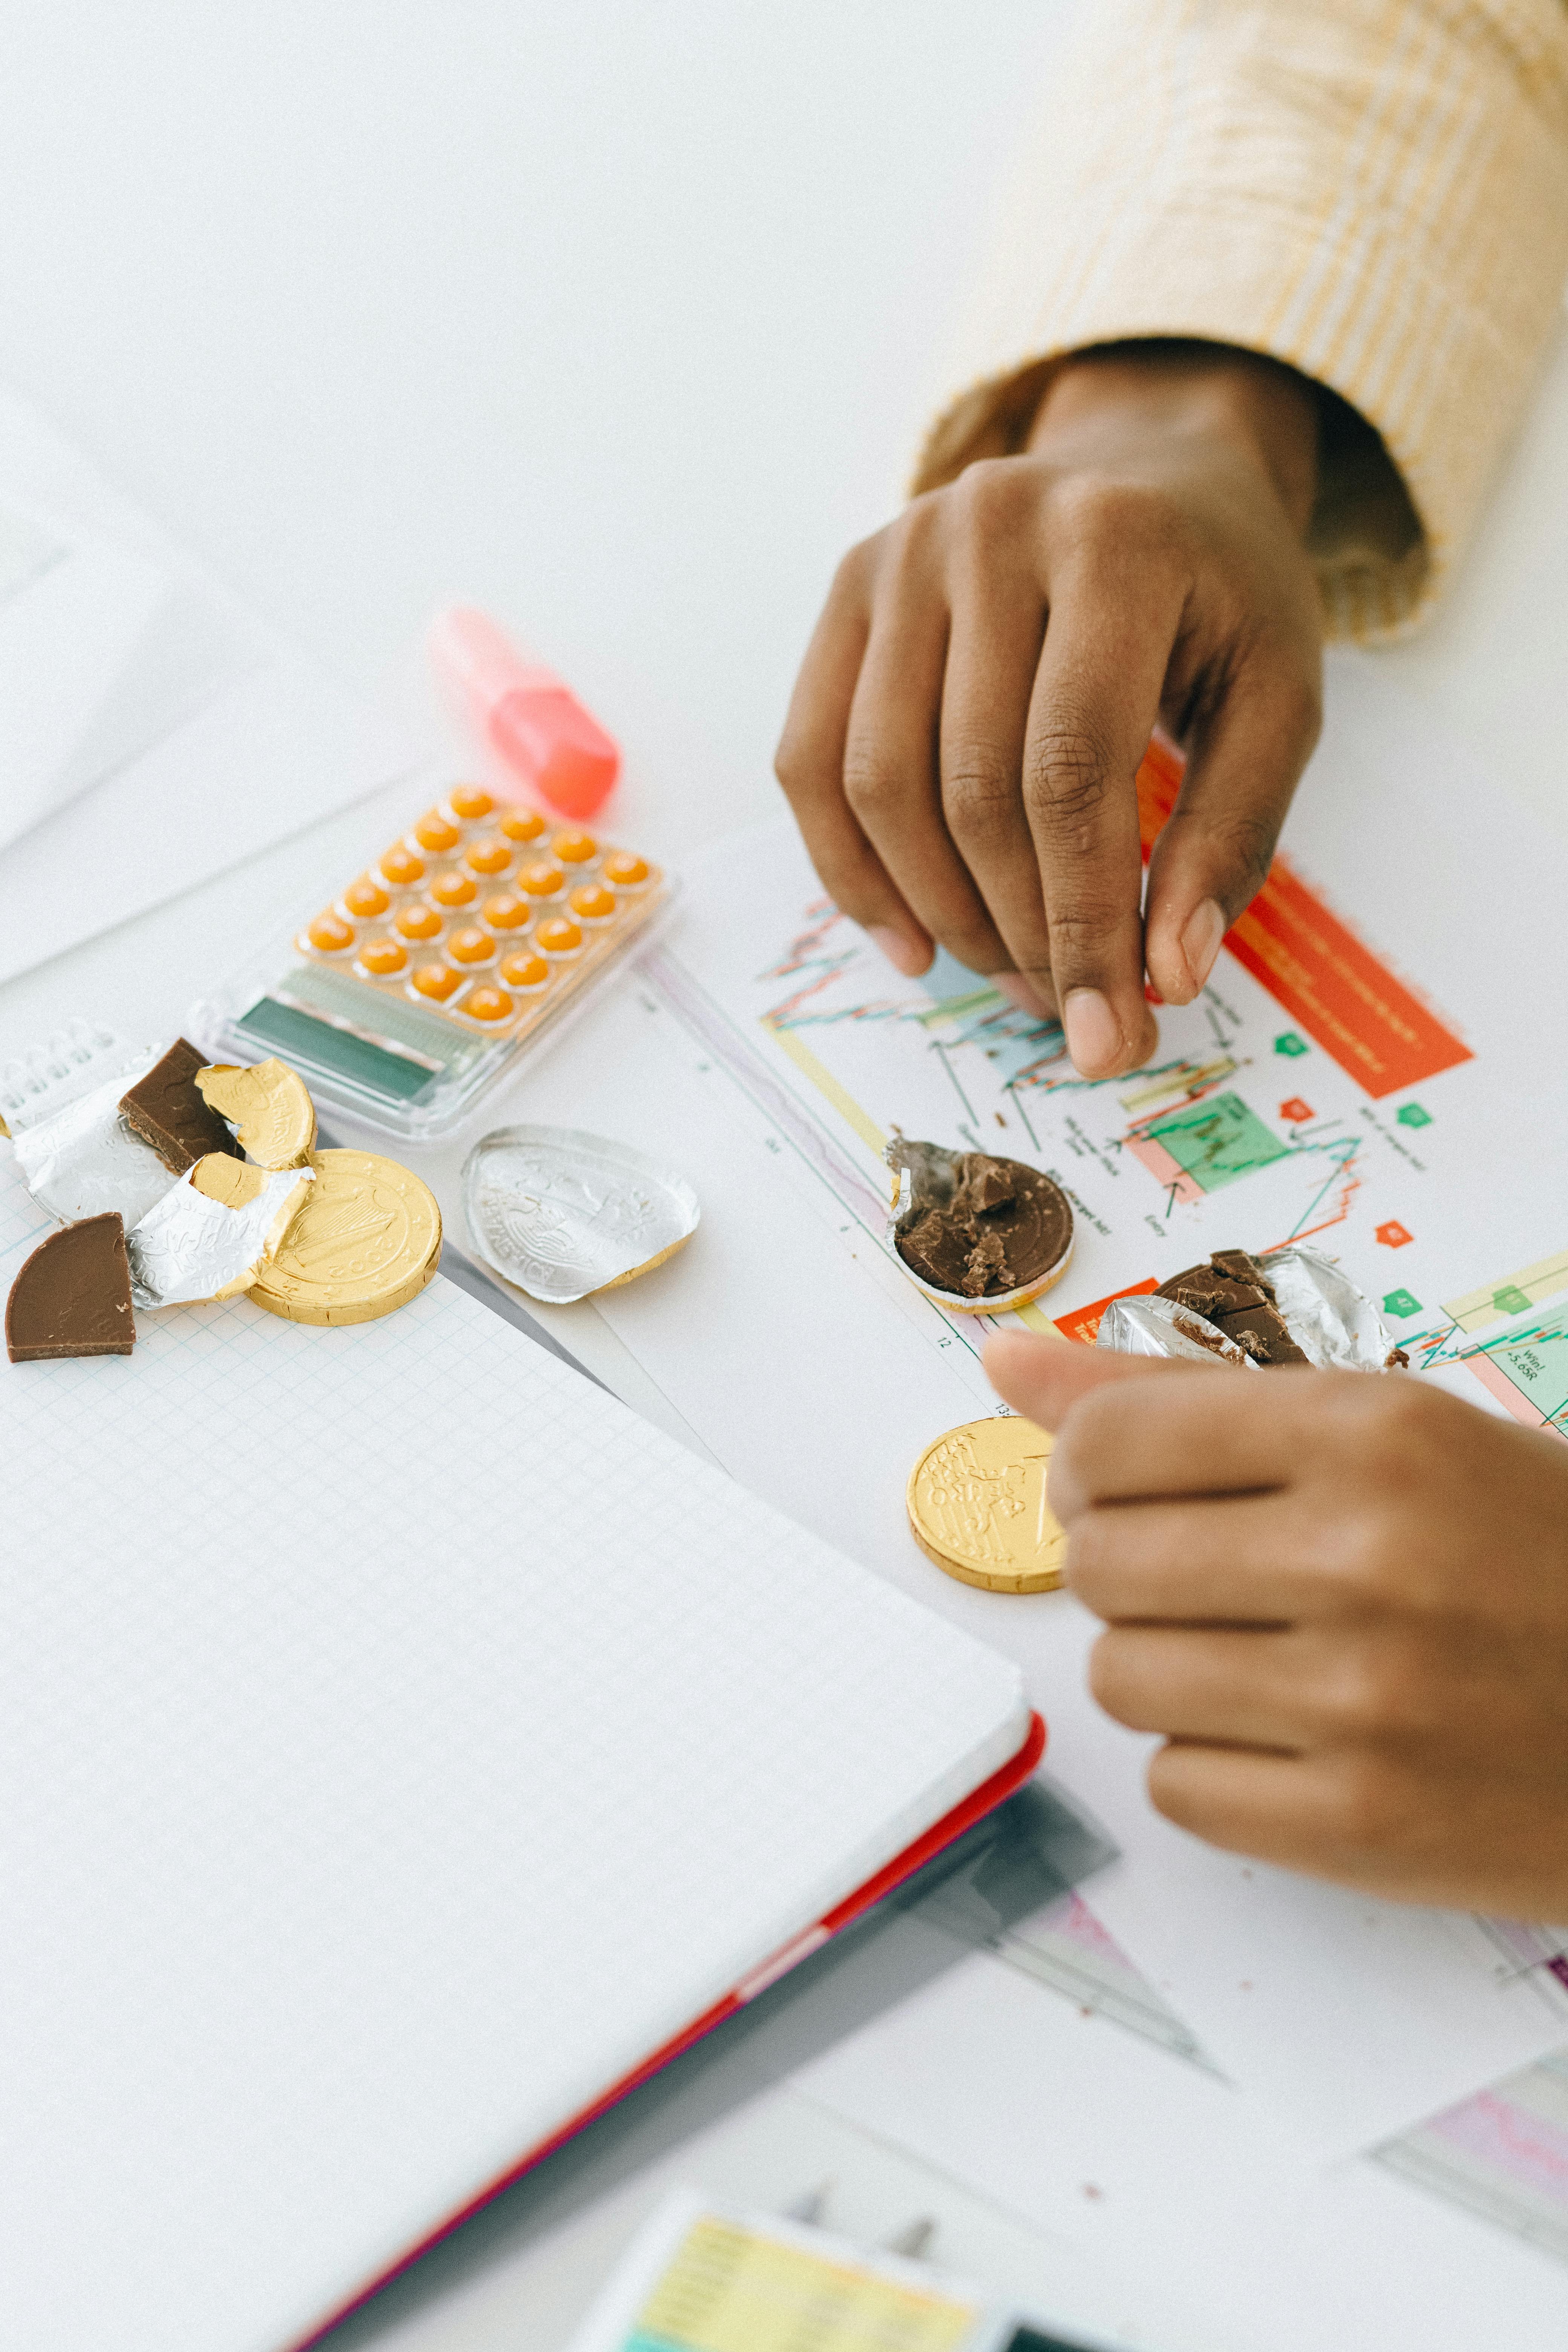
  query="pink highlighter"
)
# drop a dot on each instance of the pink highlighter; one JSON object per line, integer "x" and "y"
{"x": 532, "y": 718}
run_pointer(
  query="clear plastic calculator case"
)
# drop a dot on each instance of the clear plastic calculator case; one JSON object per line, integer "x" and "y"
{"x": 447, "y": 958}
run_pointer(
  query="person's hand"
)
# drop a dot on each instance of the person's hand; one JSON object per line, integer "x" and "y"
{"x": 1343, "y": 1599}
{"x": 963, "y": 772}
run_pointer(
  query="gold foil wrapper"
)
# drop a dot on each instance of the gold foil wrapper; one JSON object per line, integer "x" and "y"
{"x": 365, "y": 1242}
{"x": 267, "y": 1107}
{"x": 978, "y": 1506}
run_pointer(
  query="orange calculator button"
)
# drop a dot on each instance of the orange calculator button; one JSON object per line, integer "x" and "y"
{"x": 575, "y": 849}
{"x": 437, "y": 981}
{"x": 507, "y": 912}
{"x": 365, "y": 898}
{"x": 381, "y": 958}
{"x": 522, "y": 825}
{"x": 625, "y": 870}
{"x": 488, "y": 857}
{"x": 453, "y": 889}
{"x": 542, "y": 881}
{"x": 331, "y": 933}
{"x": 524, "y": 969}
{"x": 487, "y": 1004}
{"x": 402, "y": 866}
{"x": 418, "y": 921}
{"x": 470, "y": 801}
{"x": 471, "y": 946}
{"x": 435, "y": 831}
{"x": 558, "y": 936}
{"x": 592, "y": 902}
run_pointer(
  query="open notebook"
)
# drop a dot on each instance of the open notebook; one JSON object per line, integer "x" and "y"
{"x": 401, "y": 1744}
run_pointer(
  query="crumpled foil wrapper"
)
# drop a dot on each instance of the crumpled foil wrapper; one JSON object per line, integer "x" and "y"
{"x": 189, "y": 1248}
{"x": 80, "y": 1160}
{"x": 1335, "y": 1325}
{"x": 562, "y": 1212}
{"x": 1148, "y": 1326}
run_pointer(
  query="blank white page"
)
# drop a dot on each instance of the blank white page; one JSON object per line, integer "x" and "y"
{"x": 400, "y": 1741}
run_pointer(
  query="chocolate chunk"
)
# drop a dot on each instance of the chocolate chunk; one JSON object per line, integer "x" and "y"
{"x": 979, "y": 1226}
{"x": 1240, "y": 1265}
{"x": 1233, "y": 1293}
{"x": 166, "y": 1109}
{"x": 73, "y": 1297}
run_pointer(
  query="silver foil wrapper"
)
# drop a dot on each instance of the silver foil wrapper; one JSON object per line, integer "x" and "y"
{"x": 188, "y": 1248}
{"x": 1148, "y": 1326}
{"x": 78, "y": 1156}
{"x": 1335, "y": 1325}
{"x": 563, "y": 1213}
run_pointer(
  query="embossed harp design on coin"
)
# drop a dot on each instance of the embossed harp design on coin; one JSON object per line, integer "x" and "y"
{"x": 367, "y": 1241}
{"x": 978, "y": 1506}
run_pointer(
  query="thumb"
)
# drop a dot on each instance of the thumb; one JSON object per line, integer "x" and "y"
{"x": 1044, "y": 1379}
{"x": 1212, "y": 856}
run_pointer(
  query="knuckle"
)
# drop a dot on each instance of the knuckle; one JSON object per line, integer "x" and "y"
{"x": 1387, "y": 1432}
{"x": 980, "y": 794}
{"x": 984, "y": 494}
{"x": 1245, "y": 840}
{"x": 1095, "y": 509}
{"x": 855, "y": 571}
{"x": 1066, "y": 775}
{"x": 1371, "y": 1807}
{"x": 1372, "y": 1692}
{"x": 875, "y": 786}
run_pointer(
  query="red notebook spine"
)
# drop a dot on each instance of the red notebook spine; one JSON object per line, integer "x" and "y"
{"x": 974, "y": 1808}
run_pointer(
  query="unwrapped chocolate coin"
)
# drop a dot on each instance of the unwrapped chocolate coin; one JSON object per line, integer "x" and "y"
{"x": 978, "y": 1506}
{"x": 269, "y": 1106}
{"x": 975, "y": 1233}
{"x": 210, "y": 1235}
{"x": 562, "y": 1212}
{"x": 365, "y": 1241}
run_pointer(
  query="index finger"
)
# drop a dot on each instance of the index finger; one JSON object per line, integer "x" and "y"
{"x": 1191, "y": 1432}
{"x": 1043, "y": 1377}
{"x": 1096, "y": 700}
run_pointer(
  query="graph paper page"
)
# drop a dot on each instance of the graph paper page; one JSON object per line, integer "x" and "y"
{"x": 400, "y": 1741}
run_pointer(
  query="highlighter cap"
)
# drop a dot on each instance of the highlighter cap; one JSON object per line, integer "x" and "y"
{"x": 555, "y": 747}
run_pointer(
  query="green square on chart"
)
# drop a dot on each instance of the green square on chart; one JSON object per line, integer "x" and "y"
{"x": 1214, "y": 1142}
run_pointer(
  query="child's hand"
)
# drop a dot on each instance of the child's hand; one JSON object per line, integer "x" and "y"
{"x": 1342, "y": 1598}
{"x": 963, "y": 773}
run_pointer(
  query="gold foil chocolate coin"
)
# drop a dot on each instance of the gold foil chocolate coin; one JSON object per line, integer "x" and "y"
{"x": 977, "y": 1505}
{"x": 267, "y": 1103}
{"x": 365, "y": 1241}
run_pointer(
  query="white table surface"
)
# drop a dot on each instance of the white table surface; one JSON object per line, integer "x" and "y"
{"x": 621, "y": 320}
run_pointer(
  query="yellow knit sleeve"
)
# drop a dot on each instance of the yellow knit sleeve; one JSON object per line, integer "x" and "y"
{"x": 1375, "y": 191}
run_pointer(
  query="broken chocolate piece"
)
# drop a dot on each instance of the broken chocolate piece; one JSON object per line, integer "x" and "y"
{"x": 166, "y": 1110}
{"x": 1232, "y": 1291}
{"x": 976, "y": 1226}
{"x": 73, "y": 1297}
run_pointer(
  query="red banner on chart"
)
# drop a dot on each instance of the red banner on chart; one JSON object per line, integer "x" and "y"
{"x": 1324, "y": 977}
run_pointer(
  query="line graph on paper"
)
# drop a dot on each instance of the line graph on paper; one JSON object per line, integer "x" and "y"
{"x": 1242, "y": 1130}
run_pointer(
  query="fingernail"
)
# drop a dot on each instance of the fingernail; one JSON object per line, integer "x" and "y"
{"x": 901, "y": 950}
{"x": 1201, "y": 939}
{"x": 1022, "y": 992}
{"x": 1094, "y": 1034}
